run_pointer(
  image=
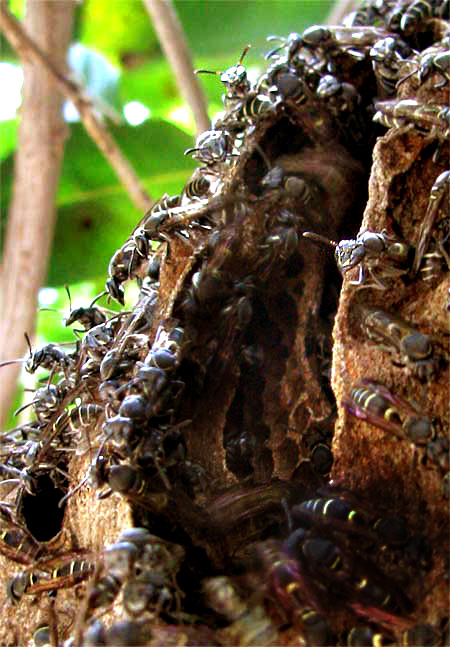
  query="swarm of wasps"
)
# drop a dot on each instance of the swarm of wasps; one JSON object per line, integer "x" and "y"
{"x": 240, "y": 538}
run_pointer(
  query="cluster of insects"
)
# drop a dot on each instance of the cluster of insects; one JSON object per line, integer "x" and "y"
{"x": 208, "y": 406}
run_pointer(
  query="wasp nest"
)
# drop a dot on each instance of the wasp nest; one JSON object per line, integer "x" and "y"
{"x": 235, "y": 470}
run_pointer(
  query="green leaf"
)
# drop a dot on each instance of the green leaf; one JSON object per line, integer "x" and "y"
{"x": 118, "y": 29}
{"x": 95, "y": 215}
{"x": 8, "y": 53}
{"x": 153, "y": 85}
{"x": 8, "y": 137}
{"x": 217, "y": 27}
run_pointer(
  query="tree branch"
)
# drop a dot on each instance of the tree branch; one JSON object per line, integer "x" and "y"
{"x": 32, "y": 212}
{"x": 176, "y": 49}
{"x": 28, "y": 49}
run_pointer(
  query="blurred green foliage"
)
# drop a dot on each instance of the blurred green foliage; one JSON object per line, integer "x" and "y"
{"x": 118, "y": 58}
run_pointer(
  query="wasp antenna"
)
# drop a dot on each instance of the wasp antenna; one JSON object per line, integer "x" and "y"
{"x": 68, "y": 294}
{"x": 28, "y": 342}
{"x": 12, "y": 361}
{"x": 310, "y": 235}
{"x": 24, "y": 406}
{"x": 71, "y": 492}
{"x": 273, "y": 51}
{"x": 406, "y": 77}
{"x": 206, "y": 72}
{"x": 263, "y": 156}
{"x": 244, "y": 53}
{"x": 99, "y": 296}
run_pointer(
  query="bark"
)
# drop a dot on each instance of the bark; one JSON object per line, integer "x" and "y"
{"x": 37, "y": 168}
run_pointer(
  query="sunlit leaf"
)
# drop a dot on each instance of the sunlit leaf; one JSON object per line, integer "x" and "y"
{"x": 118, "y": 29}
{"x": 98, "y": 78}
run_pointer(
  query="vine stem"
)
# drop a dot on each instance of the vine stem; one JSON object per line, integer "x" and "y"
{"x": 175, "y": 46}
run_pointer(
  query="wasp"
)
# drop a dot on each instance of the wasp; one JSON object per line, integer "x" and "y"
{"x": 371, "y": 250}
{"x": 50, "y": 357}
{"x": 84, "y": 416}
{"x": 250, "y": 625}
{"x": 284, "y": 238}
{"x": 339, "y": 96}
{"x": 328, "y": 42}
{"x": 156, "y": 386}
{"x": 46, "y": 401}
{"x": 97, "y": 340}
{"x": 118, "y": 564}
{"x": 420, "y": 634}
{"x": 431, "y": 119}
{"x": 81, "y": 419}
{"x": 123, "y": 266}
{"x": 197, "y": 187}
{"x": 325, "y": 565}
{"x": 146, "y": 567}
{"x": 379, "y": 255}
{"x": 416, "y": 13}
{"x": 293, "y": 185}
{"x": 234, "y": 79}
{"x": 333, "y": 511}
{"x": 440, "y": 62}
{"x": 212, "y": 147}
{"x": 119, "y": 360}
{"x": 52, "y": 574}
{"x": 321, "y": 458}
{"x": 395, "y": 335}
{"x": 367, "y": 636}
{"x": 388, "y": 57}
{"x": 16, "y": 543}
{"x": 410, "y": 18}
{"x": 165, "y": 352}
{"x": 299, "y": 597}
{"x": 429, "y": 63}
{"x": 336, "y": 513}
{"x": 438, "y": 192}
{"x": 376, "y": 404}
{"x": 254, "y": 107}
{"x": 166, "y": 203}
{"x": 363, "y": 16}
{"x": 88, "y": 317}
{"x": 20, "y": 477}
{"x": 148, "y": 230}
{"x": 132, "y": 483}
{"x": 123, "y": 632}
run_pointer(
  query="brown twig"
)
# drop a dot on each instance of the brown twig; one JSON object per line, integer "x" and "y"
{"x": 29, "y": 50}
{"x": 176, "y": 49}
